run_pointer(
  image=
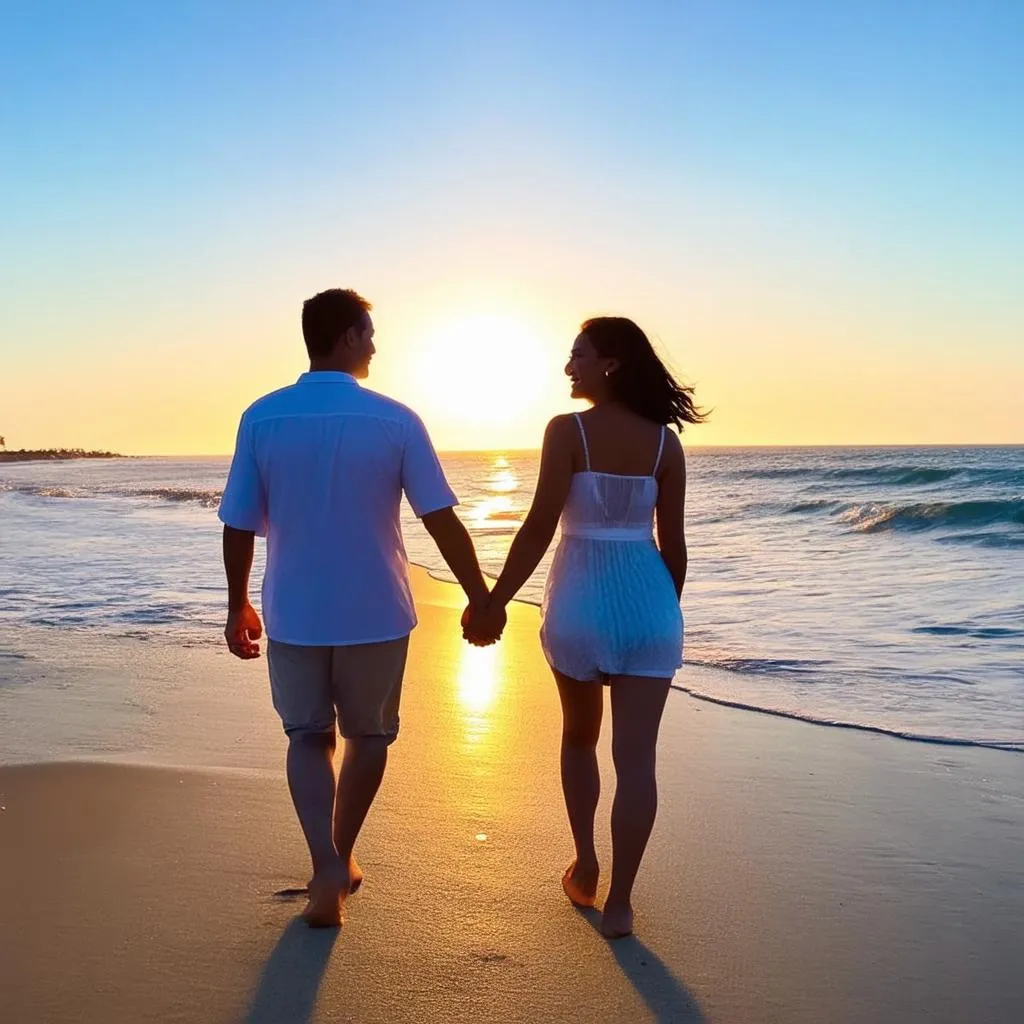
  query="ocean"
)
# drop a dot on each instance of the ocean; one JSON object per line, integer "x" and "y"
{"x": 873, "y": 588}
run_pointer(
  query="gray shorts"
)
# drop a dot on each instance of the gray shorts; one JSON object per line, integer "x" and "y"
{"x": 359, "y": 686}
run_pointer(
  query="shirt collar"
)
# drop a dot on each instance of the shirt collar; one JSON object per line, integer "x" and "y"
{"x": 326, "y": 377}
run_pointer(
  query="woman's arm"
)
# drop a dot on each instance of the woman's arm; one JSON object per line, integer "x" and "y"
{"x": 535, "y": 534}
{"x": 670, "y": 511}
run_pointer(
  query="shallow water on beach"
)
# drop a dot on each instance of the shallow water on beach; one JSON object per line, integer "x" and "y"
{"x": 873, "y": 587}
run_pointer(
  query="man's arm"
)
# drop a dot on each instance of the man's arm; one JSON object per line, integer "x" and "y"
{"x": 453, "y": 541}
{"x": 243, "y": 628}
{"x": 432, "y": 499}
{"x": 243, "y": 510}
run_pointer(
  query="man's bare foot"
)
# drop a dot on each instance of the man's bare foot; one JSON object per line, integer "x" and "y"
{"x": 617, "y": 922}
{"x": 580, "y": 884}
{"x": 327, "y": 892}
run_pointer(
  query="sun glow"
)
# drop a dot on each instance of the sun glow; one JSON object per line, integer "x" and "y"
{"x": 484, "y": 370}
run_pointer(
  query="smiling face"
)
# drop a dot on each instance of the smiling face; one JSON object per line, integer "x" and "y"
{"x": 589, "y": 370}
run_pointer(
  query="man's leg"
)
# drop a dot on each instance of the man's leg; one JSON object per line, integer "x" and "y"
{"x": 367, "y": 692}
{"x": 362, "y": 769}
{"x": 300, "y": 681}
{"x": 311, "y": 782}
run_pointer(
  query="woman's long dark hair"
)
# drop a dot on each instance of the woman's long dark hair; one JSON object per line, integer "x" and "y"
{"x": 641, "y": 382}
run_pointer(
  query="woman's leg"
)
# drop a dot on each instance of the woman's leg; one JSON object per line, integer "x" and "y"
{"x": 582, "y": 705}
{"x": 637, "y": 706}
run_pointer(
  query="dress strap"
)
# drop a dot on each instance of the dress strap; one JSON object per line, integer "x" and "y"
{"x": 583, "y": 434}
{"x": 661, "y": 445}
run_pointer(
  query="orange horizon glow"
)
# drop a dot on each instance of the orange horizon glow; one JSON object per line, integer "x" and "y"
{"x": 490, "y": 377}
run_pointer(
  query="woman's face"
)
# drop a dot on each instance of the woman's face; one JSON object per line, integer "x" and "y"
{"x": 588, "y": 369}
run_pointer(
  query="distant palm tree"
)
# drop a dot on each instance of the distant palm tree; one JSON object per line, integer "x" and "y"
{"x": 3, "y": 443}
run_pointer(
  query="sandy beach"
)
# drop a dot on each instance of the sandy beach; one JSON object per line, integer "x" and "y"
{"x": 796, "y": 874}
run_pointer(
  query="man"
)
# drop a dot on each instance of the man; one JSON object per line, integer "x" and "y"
{"x": 319, "y": 470}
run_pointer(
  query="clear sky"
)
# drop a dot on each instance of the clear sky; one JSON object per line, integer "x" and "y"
{"x": 816, "y": 209}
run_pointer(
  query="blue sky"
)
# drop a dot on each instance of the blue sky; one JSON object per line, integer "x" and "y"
{"x": 799, "y": 200}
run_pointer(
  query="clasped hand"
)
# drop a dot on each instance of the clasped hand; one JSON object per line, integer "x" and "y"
{"x": 483, "y": 623}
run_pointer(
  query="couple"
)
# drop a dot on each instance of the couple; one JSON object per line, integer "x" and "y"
{"x": 319, "y": 470}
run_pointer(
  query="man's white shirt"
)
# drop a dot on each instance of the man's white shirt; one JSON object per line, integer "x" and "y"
{"x": 319, "y": 470}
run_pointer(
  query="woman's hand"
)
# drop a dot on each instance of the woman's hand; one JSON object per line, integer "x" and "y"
{"x": 483, "y": 624}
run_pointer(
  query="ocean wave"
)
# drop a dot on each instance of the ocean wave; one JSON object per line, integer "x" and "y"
{"x": 1010, "y": 746}
{"x": 42, "y": 491}
{"x": 899, "y": 476}
{"x": 208, "y": 498}
{"x": 55, "y": 492}
{"x": 985, "y": 540}
{"x": 974, "y": 632}
{"x": 931, "y": 515}
{"x": 818, "y": 505}
{"x": 908, "y": 476}
{"x": 787, "y": 666}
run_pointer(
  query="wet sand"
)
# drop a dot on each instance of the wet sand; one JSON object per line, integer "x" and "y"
{"x": 796, "y": 873}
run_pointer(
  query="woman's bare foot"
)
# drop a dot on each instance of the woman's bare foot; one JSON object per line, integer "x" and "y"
{"x": 617, "y": 922}
{"x": 327, "y": 891}
{"x": 355, "y": 875}
{"x": 355, "y": 879}
{"x": 580, "y": 884}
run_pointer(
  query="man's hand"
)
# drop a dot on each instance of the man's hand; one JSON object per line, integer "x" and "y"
{"x": 482, "y": 625}
{"x": 243, "y": 631}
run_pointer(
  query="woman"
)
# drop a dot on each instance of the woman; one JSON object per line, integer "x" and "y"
{"x": 611, "y": 607}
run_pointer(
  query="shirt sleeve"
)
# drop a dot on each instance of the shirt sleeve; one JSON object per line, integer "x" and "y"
{"x": 423, "y": 479}
{"x": 243, "y": 504}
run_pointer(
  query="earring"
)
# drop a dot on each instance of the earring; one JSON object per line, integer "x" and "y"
{"x": 607, "y": 373}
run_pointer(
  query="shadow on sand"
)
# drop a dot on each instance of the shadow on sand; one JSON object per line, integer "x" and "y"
{"x": 666, "y": 997}
{"x": 290, "y": 982}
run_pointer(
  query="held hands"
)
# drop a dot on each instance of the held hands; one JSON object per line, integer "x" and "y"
{"x": 243, "y": 631}
{"x": 483, "y": 624}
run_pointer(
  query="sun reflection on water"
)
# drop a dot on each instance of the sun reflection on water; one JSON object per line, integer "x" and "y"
{"x": 498, "y": 509}
{"x": 477, "y": 688}
{"x": 494, "y": 513}
{"x": 478, "y": 678}
{"x": 502, "y": 481}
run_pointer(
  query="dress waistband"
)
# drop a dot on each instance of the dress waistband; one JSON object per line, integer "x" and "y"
{"x": 631, "y": 533}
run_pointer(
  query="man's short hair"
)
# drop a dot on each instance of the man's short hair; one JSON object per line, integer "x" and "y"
{"x": 328, "y": 315}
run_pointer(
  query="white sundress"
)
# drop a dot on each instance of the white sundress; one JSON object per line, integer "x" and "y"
{"x": 610, "y": 607}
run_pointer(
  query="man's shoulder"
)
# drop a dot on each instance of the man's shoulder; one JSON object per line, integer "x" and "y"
{"x": 358, "y": 401}
{"x": 270, "y": 402}
{"x": 387, "y": 406}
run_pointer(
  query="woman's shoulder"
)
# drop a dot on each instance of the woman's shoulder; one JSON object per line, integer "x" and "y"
{"x": 562, "y": 436}
{"x": 559, "y": 426}
{"x": 672, "y": 457}
{"x": 673, "y": 442}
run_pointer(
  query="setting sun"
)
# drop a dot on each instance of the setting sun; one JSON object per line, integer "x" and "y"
{"x": 485, "y": 370}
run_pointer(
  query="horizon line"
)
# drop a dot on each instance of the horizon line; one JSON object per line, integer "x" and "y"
{"x": 514, "y": 450}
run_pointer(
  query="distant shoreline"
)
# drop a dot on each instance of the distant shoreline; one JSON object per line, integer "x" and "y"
{"x": 55, "y": 454}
